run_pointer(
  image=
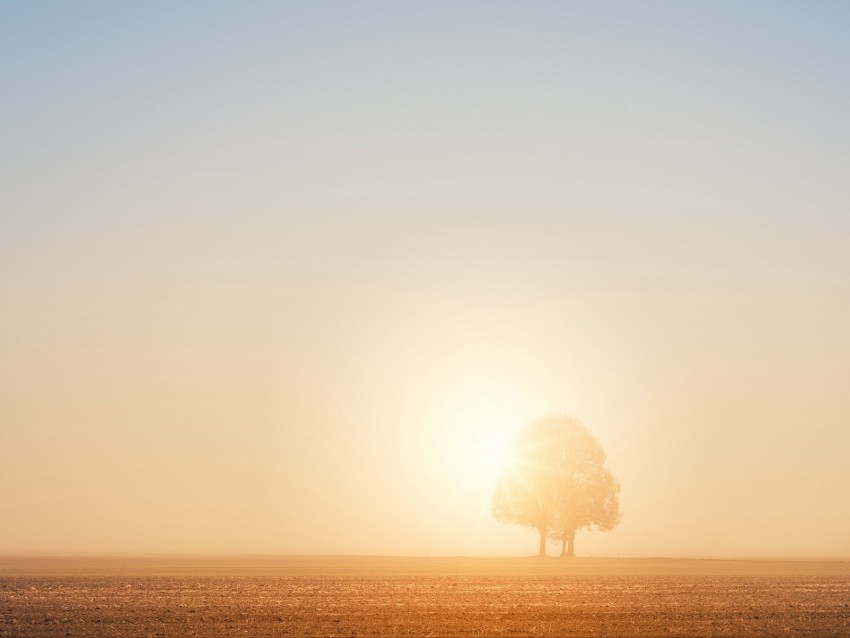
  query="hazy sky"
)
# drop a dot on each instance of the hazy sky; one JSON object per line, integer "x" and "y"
{"x": 288, "y": 277}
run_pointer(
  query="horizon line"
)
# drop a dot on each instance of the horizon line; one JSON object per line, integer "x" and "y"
{"x": 280, "y": 556}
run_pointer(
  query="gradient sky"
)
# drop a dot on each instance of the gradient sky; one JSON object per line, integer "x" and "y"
{"x": 286, "y": 277}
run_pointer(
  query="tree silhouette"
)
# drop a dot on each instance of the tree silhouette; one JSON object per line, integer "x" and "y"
{"x": 557, "y": 483}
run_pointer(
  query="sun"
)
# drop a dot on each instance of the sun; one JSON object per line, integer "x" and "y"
{"x": 486, "y": 454}
{"x": 476, "y": 445}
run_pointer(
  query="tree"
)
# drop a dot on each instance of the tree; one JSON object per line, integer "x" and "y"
{"x": 557, "y": 483}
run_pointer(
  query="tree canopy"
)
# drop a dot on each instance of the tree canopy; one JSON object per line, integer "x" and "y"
{"x": 557, "y": 483}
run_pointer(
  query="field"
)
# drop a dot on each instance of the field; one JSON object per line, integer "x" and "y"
{"x": 385, "y": 596}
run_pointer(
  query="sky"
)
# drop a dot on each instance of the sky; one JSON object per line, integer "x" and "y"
{"x": 287, "y": 278}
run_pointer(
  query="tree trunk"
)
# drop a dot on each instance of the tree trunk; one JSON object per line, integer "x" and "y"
{"x": 571, "y": 540}
{"x": 542, "y": 542}
{"x": 563, "y": 546}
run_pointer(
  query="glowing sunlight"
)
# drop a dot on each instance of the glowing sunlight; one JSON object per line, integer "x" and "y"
{"x": 477, "y": 430}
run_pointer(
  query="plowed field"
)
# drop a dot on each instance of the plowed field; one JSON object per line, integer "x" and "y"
{"x": 422, "y": 597}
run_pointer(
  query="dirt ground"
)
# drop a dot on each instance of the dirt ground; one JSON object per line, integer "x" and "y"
{"x": 422, "y": 597}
